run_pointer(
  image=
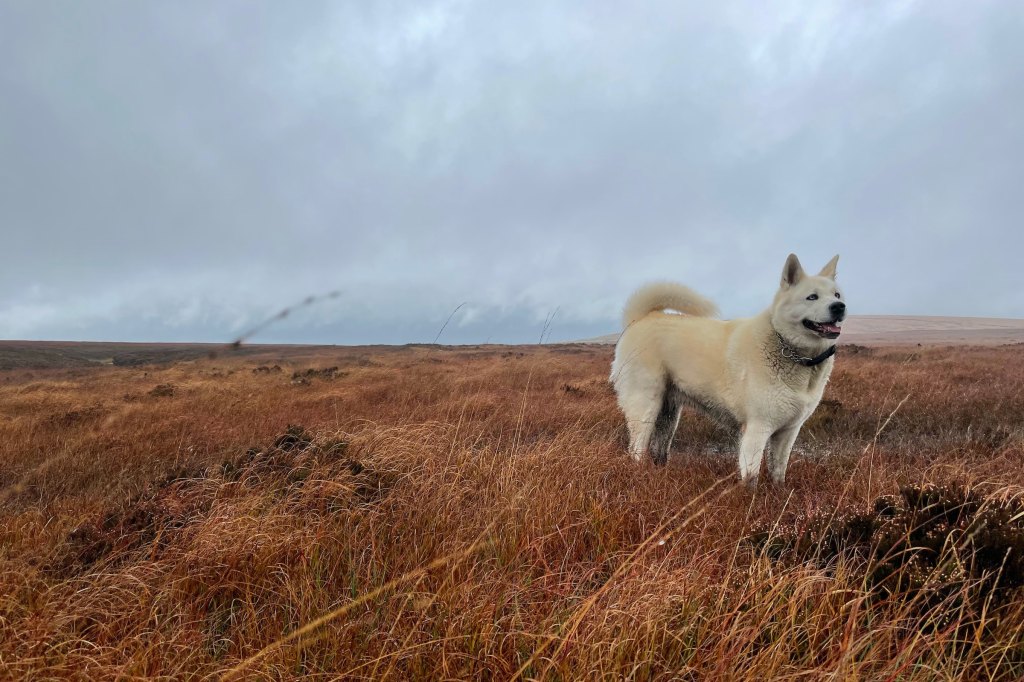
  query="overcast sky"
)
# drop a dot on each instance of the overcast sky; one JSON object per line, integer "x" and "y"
{"x": 177, "y": 171}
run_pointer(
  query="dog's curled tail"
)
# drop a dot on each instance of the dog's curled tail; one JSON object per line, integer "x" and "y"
{"x": 666, "y": 296}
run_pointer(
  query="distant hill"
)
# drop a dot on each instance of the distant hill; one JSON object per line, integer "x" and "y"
{"x": 884, "y": 330}
{"x": 865, "y": 330}
{"x": 67, "y": 354}
{"x": 26, "y": 355}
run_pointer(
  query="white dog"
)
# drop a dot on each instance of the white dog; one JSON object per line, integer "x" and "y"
{"x": 763, "y": 375}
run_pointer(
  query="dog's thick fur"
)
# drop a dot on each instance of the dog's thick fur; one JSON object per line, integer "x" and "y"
{"x": 745, "y": 373}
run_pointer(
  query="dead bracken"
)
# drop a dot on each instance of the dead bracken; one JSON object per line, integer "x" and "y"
{"x": 166, "y": 508}
{"x": 74, "y": 417}
{"x": 324, "y": 374}
{"x": 947, "y": 545}
{"x": 162, "y": 391}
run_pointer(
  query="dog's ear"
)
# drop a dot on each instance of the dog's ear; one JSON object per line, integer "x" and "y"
{"x": 830, "y": 268}
{"x": 792, "y": 271}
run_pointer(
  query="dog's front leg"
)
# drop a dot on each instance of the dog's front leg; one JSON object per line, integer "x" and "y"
{"x": 754, "y": 438}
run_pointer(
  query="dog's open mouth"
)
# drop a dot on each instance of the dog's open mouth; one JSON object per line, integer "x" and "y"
{"x": 828, "y": 330}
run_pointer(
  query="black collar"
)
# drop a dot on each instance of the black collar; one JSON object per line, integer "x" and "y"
{"x": 793, "y": 354}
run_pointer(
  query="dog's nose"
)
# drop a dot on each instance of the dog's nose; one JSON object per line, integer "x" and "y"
{"x": 838, "y": 308}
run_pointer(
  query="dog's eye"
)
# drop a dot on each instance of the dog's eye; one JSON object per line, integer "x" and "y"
{"x": 812, "y": 297}
{"x": 837, "y": 295}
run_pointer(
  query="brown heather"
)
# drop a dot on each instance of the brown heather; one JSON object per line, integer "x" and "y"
{"x": 471, "y": 514}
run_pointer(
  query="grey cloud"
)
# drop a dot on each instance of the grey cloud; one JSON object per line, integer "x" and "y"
{"x": 180, "y": 171}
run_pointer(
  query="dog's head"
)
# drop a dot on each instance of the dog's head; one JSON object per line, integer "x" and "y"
{"x": 808, "y": 309}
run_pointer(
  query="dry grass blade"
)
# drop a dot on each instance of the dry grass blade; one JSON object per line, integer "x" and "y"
{"x": 282, "y": 314}
{"x": 307, "y": 630}
{"x": 581, "y": 612}
{"x": 449, "y": 319}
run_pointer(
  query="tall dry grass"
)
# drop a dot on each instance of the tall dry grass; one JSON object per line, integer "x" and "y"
{"x": 470, "y": 514}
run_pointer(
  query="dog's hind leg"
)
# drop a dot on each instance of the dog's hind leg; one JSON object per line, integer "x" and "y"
{"x": 640, "y": 398}
{"x": 665, "y": 424}
{"x": 779, "y": 447}
{"x": 641, "y": 421}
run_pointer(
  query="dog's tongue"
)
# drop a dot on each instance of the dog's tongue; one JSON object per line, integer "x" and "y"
{"x": 830, "y": 328}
